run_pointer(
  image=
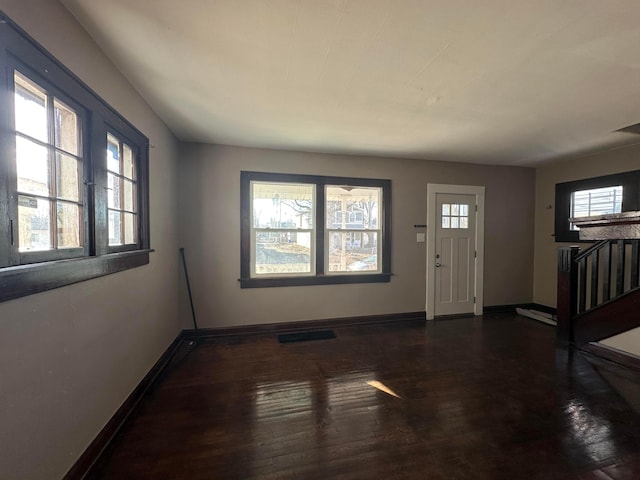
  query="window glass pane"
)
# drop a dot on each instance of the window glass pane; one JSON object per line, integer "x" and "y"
{"x": 129, "y": 230}
{"x": 127, "y": 161}
{"x": 113, "y": 153}
{"x": 113, "y": 191}
{"x": 464, "y": 210}
{"x": 34, "y": 220}
{"x": 115, "y": 237}
{"x": 66, "y": 128}
{"x": 68, "y": 225}
{"x": 32, "y": 162}
{"x": 455, "y": 209}
{"x": 279, "y": 253}
{"x": 30, "y": 108}
{"x": 446, "y": 209}
{"x": 597, "y": 201}
{"x": 352, "y": 207}
{"x": 128, "y": 195}
{"x": 283, "y": 205}
{"x": 454, "y": 222}
{"x": 464, "y": 222}
{"x": 445, "y": 222}
{"x": 353, "y": 251}
{"x": 68, "y": 173}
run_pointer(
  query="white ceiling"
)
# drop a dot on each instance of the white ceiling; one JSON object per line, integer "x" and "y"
{"x": 512, "y": 82}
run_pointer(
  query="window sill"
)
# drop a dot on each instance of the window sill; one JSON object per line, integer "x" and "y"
{"x": 314, "y": 280}
{"x": 23, "y": 280}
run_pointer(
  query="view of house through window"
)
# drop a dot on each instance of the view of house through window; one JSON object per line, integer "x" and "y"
{"x": 595, "y": 201}
{"x": 352, "y": 227}
{"x": 49, "y": 170}
{"x": 312, "y": 230}
{"x": 121, "y": 192}
{"x": 283, "y": 233}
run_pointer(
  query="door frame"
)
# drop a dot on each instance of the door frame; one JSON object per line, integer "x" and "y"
{"x": 432, "y": 190}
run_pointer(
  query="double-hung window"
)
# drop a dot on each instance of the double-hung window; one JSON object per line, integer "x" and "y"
{"x": 310, "y": 230}
{"x": 73, "y": 176}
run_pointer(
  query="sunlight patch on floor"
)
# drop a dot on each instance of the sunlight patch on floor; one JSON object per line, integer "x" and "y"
{"x": 383, "y": 388}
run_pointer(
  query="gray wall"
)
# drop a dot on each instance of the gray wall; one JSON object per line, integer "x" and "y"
{"x": 210, "y": 232}
{"x": 604, "y": 163}
{"x": 69, "y": 357}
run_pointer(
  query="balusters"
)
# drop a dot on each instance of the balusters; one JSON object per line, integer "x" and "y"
{"x": 606, "y": 272}
{"x": 595, "y": 272}
{"x": 586, "y": 279}
{"x": 582, "y": 285}
{"x": 635, "y": 265}
{"x": 620, "y": 268}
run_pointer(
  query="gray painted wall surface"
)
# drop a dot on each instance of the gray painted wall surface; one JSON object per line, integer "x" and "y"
{"x": 210, "y": 232}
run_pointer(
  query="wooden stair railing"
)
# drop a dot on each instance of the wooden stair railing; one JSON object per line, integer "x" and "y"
{"x": 599, "y": 288}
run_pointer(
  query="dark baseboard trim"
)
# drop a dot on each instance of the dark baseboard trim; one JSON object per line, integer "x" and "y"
{"x": 90, "y": 457}
{"x": 300, "y": 326}
{"x": 512, "y": 308}
{"x": 612, "y": 354}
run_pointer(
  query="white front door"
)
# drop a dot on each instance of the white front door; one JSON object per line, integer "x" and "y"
{"x": 455, "y": 258}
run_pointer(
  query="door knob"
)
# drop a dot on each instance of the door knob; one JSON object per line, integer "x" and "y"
{"x": 438, "y": 264}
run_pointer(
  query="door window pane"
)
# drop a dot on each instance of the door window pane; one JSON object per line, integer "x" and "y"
{"x": 456, "y": 216}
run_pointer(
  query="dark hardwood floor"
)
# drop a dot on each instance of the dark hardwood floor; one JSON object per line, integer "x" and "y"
{"x": 475, "y": 398}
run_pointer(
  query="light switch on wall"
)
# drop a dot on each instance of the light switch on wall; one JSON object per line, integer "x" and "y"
{"x": 420, "y": 237}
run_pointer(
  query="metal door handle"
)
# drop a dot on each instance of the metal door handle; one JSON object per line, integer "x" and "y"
{"x": 438, "y": 264}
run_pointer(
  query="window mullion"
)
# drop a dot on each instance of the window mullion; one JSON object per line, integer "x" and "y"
{"x": 320, "y": 224}
{"x": 53, "y": 184}
{"x": 99, "y": 197}
{"x": 121, "y": 192}
{"x": 8, "y": 182}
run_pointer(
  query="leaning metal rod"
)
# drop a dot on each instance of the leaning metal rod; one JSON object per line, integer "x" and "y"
{"x": 186, "y": 276}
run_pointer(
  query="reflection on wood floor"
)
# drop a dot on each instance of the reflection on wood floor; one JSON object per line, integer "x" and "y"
{"x": 470, "y": 398}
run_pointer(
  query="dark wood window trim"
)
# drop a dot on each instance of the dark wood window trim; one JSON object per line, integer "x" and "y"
{"x": 32, "y": 272}
{"x": 630, "y": 199}
{"x": 320, "y": 278}
{"x": 23, "y": 280}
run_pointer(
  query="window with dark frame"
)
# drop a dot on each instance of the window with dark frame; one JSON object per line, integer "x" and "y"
{"x": 73, "y": 176}
{"x": 314, "y": 230}
{"x": 615, "y": 193}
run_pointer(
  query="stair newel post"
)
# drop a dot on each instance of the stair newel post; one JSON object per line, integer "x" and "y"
{"x": 567, "y": 292}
